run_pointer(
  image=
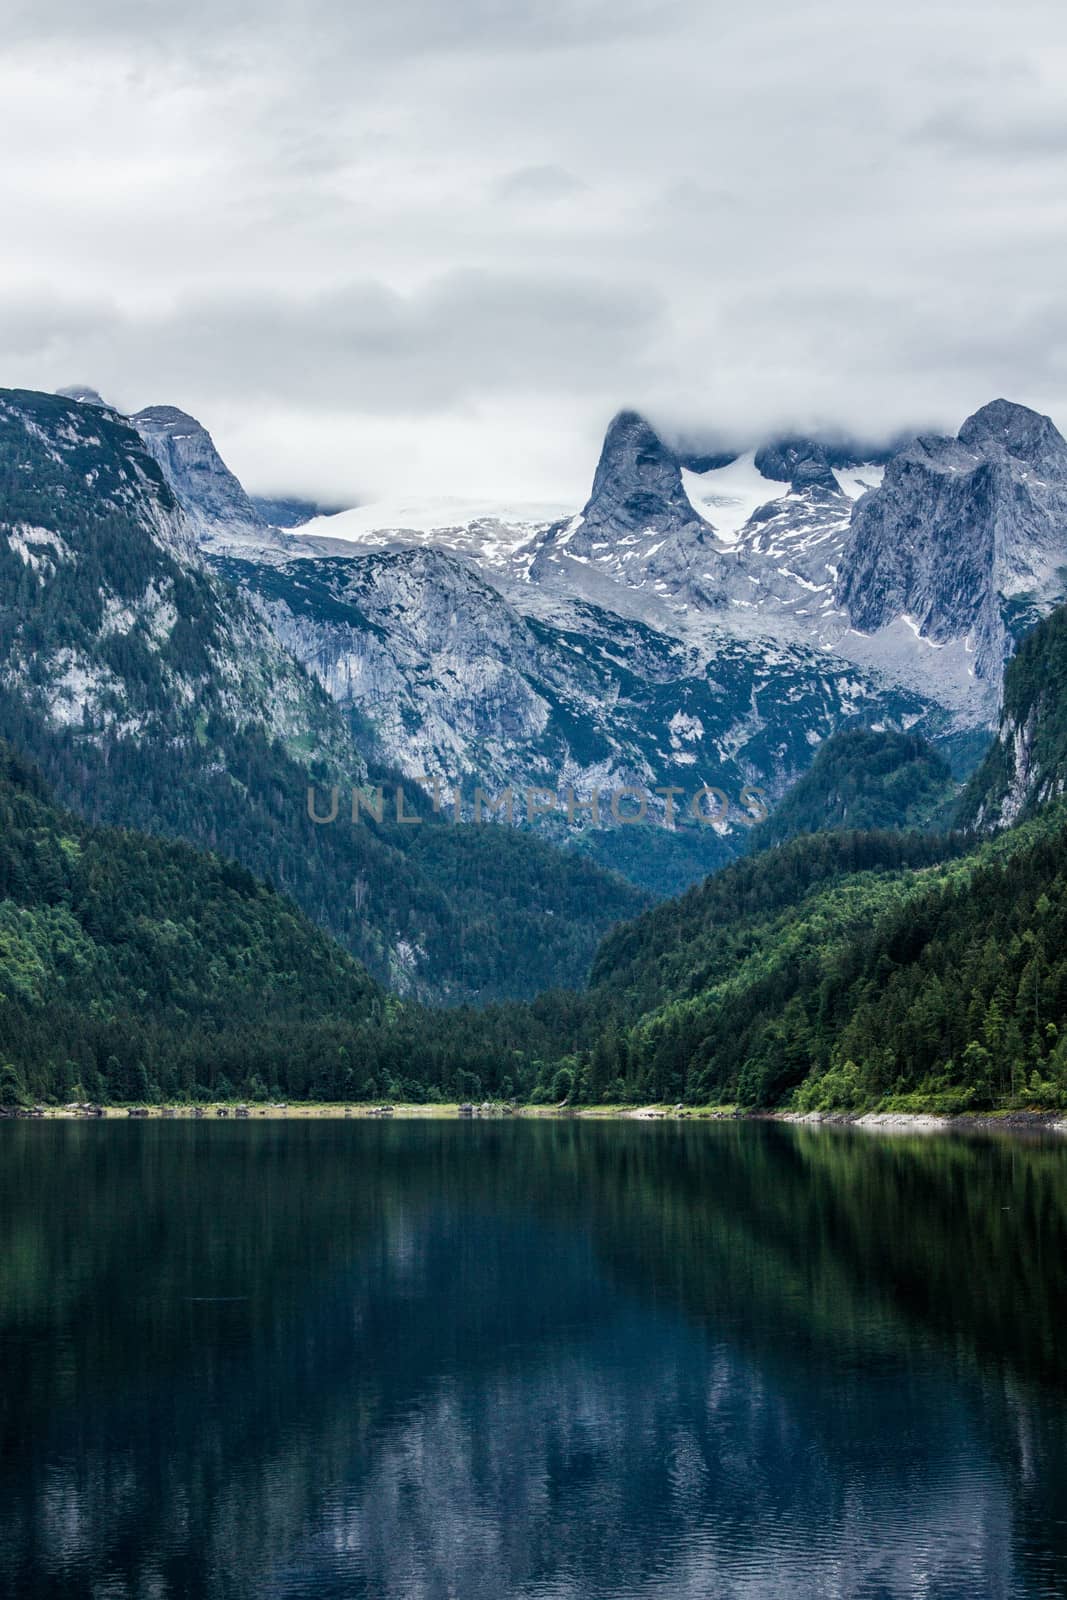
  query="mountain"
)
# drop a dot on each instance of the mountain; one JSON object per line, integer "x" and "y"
{"x": 839, "y": 972}
{"x": 713, "y": 532}
{"x": 110, "y": 620}
{"x": 918, "y": 564}
{"x": 707, "y": 619}
{"x": 153, "y": 695}
{"x": 212, "y": 497}
{"x": 83, "y": 394}
{"x": 542, "y": 657}
{"x": 846, "y": 972}
{"x": 452, "y": 680}
{"x": 637, "y": 488}
{"x": 1026, "y": 766}
{"x": 863, "y": 779}
{"x": 966, "y": 539}
{"x": 855, "y": 970}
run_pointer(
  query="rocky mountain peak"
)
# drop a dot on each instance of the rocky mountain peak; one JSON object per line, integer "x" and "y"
{"x": 1027, "y": 435}
{"x": 965, "y": 538}
{"x": 638, "y": 483}
{"x": 213, "y": 498}
{"x": 802, "y": 463}
{"x": 168, "y": 419}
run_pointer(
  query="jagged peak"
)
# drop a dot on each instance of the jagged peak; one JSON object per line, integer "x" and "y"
{"x": 1028, "y": 435}
{"x": 631, "y": 425}
{"x": 804, "y": 463}
{"x": 212, "y": 496}
{"x": 638, "y": 480}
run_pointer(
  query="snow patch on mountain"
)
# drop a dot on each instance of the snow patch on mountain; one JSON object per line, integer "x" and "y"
{"x": 726, "y": 497}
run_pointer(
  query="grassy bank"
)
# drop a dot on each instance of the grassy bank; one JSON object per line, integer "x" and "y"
{"x": 915, "y": 1119}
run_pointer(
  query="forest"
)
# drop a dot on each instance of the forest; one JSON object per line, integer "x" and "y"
{"x": 840, "y": 970}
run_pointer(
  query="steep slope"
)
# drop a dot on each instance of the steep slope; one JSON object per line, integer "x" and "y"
{"x": 133, "y": 967}
{"x": 966, "y": 539}
{"x": 637, "y": 485}
{"x": 708, "y": 617}
{"x": 1026, "y": 766}
{"x": 213, "y": 499}
{"x": 852, "y": 970}
{"x": 948, "y": 984}
{"x": 153, "y": 695}
{"x": 451, "y": 680}
{"x": 917, "y": 563}
{"x": 110, "y": 622}
{"x": 722, "y": 535}
{"x": 841, "y": 971}
{"x": 863, "y": 779}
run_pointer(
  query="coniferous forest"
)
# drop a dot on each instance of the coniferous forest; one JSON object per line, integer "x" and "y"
{"x": 841, "y": 970}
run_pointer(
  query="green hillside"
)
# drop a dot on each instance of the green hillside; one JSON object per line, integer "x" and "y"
{"x": 133, "y": 968}
{"x": 863, "y": 779}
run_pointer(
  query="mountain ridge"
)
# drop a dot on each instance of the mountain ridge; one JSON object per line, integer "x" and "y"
{"x": 771, "y": 579}
{"x": 153, "y": 694}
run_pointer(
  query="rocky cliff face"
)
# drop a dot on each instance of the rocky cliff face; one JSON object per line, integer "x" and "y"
{"x": 115, "y": 626}
{"x": 639, "y": 523}
{"x": 439, "y": 667}
{"x": 636, "y": 644}
{"x": 803, "y": 463}
{"x": 964, "y": 537}
{"x": 749, "y": 540}
{"x": 716, "y": 615}
{"x": 1026, "y": 767}
{"x": 637, "y": 486}
{"x": 454, "y": 681}
{"x": 213, "y": 498}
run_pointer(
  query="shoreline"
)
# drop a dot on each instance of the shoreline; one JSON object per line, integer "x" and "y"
{"x": 911, "y": 1122}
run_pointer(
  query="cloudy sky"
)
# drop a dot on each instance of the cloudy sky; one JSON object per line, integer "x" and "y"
{"x": 432, "y": 245}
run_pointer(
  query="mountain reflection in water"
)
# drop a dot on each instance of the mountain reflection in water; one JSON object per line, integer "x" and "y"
{"x": 426, "y": 1359}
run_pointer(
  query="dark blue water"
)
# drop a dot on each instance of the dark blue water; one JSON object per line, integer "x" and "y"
{"x": 420, "y": 1360}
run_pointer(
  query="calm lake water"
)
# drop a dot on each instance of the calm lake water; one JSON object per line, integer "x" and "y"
{"x": 414, "y": 1360}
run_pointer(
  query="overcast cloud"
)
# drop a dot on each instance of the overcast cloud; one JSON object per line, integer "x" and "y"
{"x": 434, "y": 246}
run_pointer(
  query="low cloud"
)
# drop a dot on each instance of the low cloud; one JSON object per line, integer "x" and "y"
{"x": 444, "y": 244}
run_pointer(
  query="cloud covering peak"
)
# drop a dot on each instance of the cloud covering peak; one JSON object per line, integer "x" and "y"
{"x": 442, "y": 245}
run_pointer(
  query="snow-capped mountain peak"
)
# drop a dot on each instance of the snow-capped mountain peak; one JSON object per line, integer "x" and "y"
{"x": 757, "y": 600}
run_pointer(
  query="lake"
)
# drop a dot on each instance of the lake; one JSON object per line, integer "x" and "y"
{"x": 434, "y": 1360}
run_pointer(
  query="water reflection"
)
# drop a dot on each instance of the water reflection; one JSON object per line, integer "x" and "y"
{"x": 429, "y": 1359}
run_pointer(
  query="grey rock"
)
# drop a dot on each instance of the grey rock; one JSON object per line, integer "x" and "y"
{"x": 637, "y": 486}
{"x": 80, "y": 680}
{"x": 212, "y": 497}
{"x": 962, "y": 535}
{"x": 802, "y": 463}
{"x": 451, "y": 679}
